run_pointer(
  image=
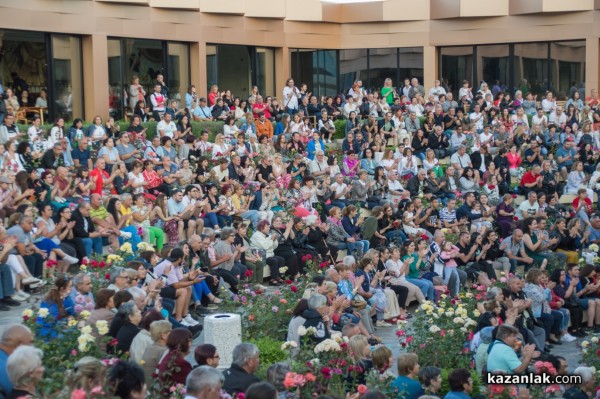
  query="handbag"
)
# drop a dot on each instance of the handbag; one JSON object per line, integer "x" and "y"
{"x": 358, "y": 303}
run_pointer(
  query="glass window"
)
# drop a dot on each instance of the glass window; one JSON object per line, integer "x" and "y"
{"x": 143, "y": 59}
{"x": 411, "y": 63}
{"x": 116, "y": 89}
{"x": 325, "y": 72}
{"x": 211, "y": 65}
{"x": 265, "y": 70}
{"x": 568, "y": 69}
{"x": 23, "y": 63}
{"x": 531, "y": 68}
{"x": 353, "y": 66}
{"x": 383, "y": 64}
{"x": 456, "y": 65}
{"x": 492, "y": 67}
{"x": 302, "y": 68}
{"x": 233, "y": 63}
{"x": 178, "y": 69}
{"x": 68, "y": 85}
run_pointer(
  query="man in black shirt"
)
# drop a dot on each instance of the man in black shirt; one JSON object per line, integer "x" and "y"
{"x": 525, "y": 322}
{"x": 480, "y": 272}
{"x": 53, "y": 158}
{"x": 264, "y": 170}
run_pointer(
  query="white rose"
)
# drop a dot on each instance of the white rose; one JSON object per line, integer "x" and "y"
{"x": 302, "y": 331}
{"x": 434, "y": 329}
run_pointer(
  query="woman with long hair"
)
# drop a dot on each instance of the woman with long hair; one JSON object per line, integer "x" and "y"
{"x": 140, "y": 214}
{"x": 564, "y": 298}
{"x": 397, "y": 271}
{"x": 60, "y": 306}
{"x": 159, "y": 218}
{"x": 532, "y": 243}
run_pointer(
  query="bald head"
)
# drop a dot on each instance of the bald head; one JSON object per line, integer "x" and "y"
{"x": 95, "y": 200}
{"x": 15, "y": 336}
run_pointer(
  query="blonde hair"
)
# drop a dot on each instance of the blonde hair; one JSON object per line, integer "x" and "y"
{"x": 86, "y": 374}
{"x": 358, "y": 345}
{"x": 158, "y": 328}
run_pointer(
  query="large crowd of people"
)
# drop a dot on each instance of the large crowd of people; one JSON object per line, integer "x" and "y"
{"x": 423, "y": 195}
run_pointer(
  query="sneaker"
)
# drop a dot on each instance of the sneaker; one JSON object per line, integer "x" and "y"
{"x": 190, "y": 320}
{"x": 126, "y": 234}
{"x": 37, "y": 285}
{"x": 21, "y": 296}
{"x": 196, "y": 331}
{"x": 10, "y": 302}
{"x": 381, "y": 323}
{"x": 567, "y": 338}
{"x": 71, "y": 260}
{"x": 185, "y": 323}
{"x": 30, "y": 280}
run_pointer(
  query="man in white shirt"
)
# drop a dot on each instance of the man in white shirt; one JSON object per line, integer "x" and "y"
{"x": 460, "y": 160}
{"x": 476, "y": 118}
{"x": 457, "y": 139}
{"x": 166, "y": 127}
{"x": 341, "y": 189}
{"x": 540, "y": 119}
{"x": 548, "y": 103}
{"x": 291, "y": 94}
{"x": 437, "y": 90}
{"x": 529, "y": 207}
{"x": 318, "y": 166}
{"x": 558, "y": 117}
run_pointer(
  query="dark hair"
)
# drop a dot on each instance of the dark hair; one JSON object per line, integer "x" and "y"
{"x": 555, "y": 276}
{"x": 261, "y": 390}
{"x": 60, "y": 282}
{"x": 586, "y": 271}
{"x": 103, "y": 297}
{"x": 121, "y": 297}
{"x": 319, "y": 280}
{"x": 126, "y": 377}
{"x": 22, "y": 146}
{"x": 203, "y": 353}
{"x": 485, "y": 320}
{"x": 301, "y": 306}
{"x": 428, "y": 374}
{"x": 150, "y": 317}
{"x": 179, "y": 340}
{"x": 112, "y": 208}
{"x": 457, "y": 378}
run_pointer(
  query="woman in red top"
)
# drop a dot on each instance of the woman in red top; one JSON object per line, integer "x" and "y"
{"x": 173, "y": 368}
{"x": 155, "y": 182}
{"x": 582, "y": 205}
{"x": 514, "y": 160}
{"x": 213, "y": 95}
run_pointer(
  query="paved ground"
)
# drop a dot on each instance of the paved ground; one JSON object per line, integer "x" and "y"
{"x": 569, "y": 351}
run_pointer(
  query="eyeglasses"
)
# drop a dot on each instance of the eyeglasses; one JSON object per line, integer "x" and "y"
{"x": 216, "y": 357}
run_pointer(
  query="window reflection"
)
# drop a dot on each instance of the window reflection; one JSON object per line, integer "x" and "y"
{"x": 568, "y": 68}
{"x": 383, "y": 64}
{"x": 179, "y": 69}
{"x": 531, "y": 68}
{"x": 456, "y": 65}
{"x": 353, "y": 66}
{"x": 411, "y": 63}
{"x": 492, "y": 66}
{"x": 67, "y": 84}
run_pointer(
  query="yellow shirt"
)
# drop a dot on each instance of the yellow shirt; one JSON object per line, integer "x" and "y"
{"x": 124, "y": 212}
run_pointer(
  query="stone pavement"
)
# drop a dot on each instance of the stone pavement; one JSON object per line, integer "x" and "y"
{"x": 570, "y": 351}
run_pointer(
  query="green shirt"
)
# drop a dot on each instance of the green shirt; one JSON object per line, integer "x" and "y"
{"x": 388, "y": 93}
{"x": 415, "y": 265}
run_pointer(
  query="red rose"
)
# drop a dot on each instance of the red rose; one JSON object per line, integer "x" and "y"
{"x": 84, "y": 261}
{"x": 304, "y": 258}
{"x": 294, "y": 288}
{"x": 492, "y": 187}
{"x": 25, "y": 318}
{"x": 102, "y": 264}
{"x": 403, "y": 344}
{"x": 324, "y": 265}
{"x": 288, "y": 281}
{"x": 249, "y": 273}
{"x": 308, "y": 256}
{"x": 514, "y": 196}
{"x": 107, "y": 276}
{"x": 516, "y": 219}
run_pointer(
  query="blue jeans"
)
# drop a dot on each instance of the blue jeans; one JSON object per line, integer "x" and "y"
{"x": 251, "y": 215}
{"x": 92, "y": 244}
{"x": 425, "y": 286}
{"x": 566, "y": 318}
{"x": 257, "y": 202}
{"x": 361, "y": 246}
{"x": 6, "y": 282}
{"x": 448, "y": 272}
{"x": 224, "y": 220}
{"x": 210, "y": 220}
{"x": 396, "y": 236}
{"x": 200, "y": 290}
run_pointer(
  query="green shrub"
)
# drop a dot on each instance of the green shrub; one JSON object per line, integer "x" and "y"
{"x": 270, "y": 353}
{"x": 340, "y": 129}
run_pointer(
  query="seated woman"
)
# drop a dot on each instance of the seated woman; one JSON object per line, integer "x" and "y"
{"x": 397, "y": 271}
{"x": 60, "y": 305}
{"x": 418, "y": 265}
{"x": 49, "y": 237}
{"x": 122, "y": 215}
{"x": 173, "y": 369}
{"x": 140, "y": 218}
{"x": 563, "y": 295}
{"x": 338, "y": 237}
{"x": 352, "y": 226}
{"x": 300, "y": 241}
{"x": 371, "y": 291}
{"x": 266, "y": 243}
{"x": 577, "y": 179}
{"x": 104, "y": 307}
{"x": 131, "y": 317}
{"x": 583, "y": 206}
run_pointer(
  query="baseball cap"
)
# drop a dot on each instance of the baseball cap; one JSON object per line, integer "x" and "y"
{"x": 570, "y": 139}
{"x": 202, "y": 99}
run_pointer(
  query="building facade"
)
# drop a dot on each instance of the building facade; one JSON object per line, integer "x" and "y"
{"x": 85, "y": 52}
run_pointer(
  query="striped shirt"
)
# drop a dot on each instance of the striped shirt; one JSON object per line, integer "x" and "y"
{"x": 447, "y": 215}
